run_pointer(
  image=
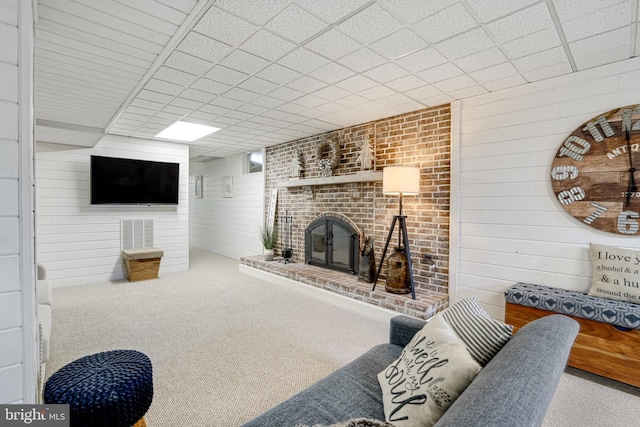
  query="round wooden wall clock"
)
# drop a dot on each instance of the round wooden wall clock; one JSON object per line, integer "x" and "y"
{"x": 594, "y": 174}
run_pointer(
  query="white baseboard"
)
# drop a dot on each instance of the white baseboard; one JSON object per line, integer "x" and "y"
{"x": 360, "y": 307}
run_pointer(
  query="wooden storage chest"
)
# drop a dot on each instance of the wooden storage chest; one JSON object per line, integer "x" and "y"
{"x": 600, "y": 348}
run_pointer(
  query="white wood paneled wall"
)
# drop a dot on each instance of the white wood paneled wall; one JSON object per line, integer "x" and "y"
{"x": 18, "y": 323}
{"x": 79, "y": 243}
{"x": 509, "y": 226}
{"x": 228, "y": 226}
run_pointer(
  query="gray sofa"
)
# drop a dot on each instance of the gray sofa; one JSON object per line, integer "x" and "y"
{"x": 514, "y": 389}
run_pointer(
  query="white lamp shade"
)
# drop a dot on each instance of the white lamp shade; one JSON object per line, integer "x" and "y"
{"x": 401, "y": 179}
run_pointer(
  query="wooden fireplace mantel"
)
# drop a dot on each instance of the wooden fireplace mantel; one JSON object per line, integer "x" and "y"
{"x": 365, "y": 176}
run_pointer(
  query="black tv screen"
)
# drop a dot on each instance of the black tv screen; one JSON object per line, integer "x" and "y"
{"x": 128, "y": 181}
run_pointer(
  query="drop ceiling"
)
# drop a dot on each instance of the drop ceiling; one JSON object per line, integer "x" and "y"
{"x": 272, "y": 71}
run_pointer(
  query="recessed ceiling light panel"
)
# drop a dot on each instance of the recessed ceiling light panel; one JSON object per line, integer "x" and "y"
{"x": 185, "y": 131}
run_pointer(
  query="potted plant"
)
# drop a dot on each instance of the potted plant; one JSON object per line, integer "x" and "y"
{"x": 269, "y": 239}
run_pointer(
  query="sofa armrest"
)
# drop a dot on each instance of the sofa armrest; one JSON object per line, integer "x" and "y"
{"x": 403, "y": 328}
{"x": 517, "y": 385}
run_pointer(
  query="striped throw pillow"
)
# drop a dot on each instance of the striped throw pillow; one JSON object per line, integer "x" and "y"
{"x": 483, "y": 335}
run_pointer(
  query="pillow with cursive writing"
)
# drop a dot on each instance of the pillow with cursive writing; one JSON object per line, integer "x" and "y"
{"x": 430, "y": 374}
{"x": 616, "y": 273}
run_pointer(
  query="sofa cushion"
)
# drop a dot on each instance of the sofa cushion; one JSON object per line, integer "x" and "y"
{"x": 350, "y": 392}
{"x": 432, "y": 371}
{"x": 483, "y": 335}
{"x": 616, "y": 273}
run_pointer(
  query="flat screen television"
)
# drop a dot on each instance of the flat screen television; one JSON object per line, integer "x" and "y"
{"x": 119, "y": 181}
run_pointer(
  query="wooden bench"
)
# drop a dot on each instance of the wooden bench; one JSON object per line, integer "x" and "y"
{"x": 609, "y": 339}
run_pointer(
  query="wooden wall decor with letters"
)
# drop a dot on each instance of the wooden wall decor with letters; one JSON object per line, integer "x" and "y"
{"x": 595, "y": 174}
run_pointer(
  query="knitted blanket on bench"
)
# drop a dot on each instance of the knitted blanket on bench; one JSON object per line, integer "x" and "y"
{"x": 572, "y": 303}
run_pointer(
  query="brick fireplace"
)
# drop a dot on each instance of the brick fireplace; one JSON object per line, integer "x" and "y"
{"x": 420, "y": 138}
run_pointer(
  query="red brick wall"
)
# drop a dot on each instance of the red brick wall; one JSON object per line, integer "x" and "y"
{"x": 420, "y": 138}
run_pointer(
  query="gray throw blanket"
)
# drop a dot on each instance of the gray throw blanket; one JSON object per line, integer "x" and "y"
{"x": 356, "y": 422}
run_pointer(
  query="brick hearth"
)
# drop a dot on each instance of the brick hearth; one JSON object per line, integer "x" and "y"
{"x": 426, "y": 304}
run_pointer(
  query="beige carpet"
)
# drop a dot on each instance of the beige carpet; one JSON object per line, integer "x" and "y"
{"x": 226, "y": 346}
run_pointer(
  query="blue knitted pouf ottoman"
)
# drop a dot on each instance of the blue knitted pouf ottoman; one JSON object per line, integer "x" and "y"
{"x": 109, "y": 389}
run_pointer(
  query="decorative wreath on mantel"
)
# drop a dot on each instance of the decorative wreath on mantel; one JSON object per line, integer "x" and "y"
{"x": 328, "y": 164}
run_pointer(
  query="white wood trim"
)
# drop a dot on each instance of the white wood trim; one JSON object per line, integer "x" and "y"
{"x": 454, "y": 190}
{"x": 30, "y": 358}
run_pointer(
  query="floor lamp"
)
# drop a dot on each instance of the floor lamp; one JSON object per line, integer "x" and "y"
{"x": 399, "y": 180}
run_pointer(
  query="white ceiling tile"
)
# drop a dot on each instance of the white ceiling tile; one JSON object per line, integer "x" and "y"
{"x": 522, "y": 23}
{"x": 204, "y": 47}
{"x": 258, "y": 11}
{"x": 406, "y": 83}
{"x": 414, "y": 10}
{"x": 386, "y": 72}
{"x": 507, "y": 82}
{"x": 178, "y": 111}
{"x": 488, "y": 10}
{"x": 210, "y": 86}
{"x": 197, "y": 95}
{"x": 610, "y": 18}
{"x": 465, "y": 44}
{"x": 532, "y": 43}
{"x": 424, "y": 93}
{"x": 295, "y": 24}
{"x": 202, "y": 116}
{"x": 494, "y": 72}
{"x": 245, "y": 62}
{"x": 239, "y": 115}
{"x": 155, "y": 96}
{"x": 310, "y": 101}
{"x": 303, "y": 60}
{"x": 362, "y": 59}
{"x": 547, "y": 72}
{"x": 370, "y": 24}
{"x": 141, "y": 112}
{"x": 223, "y": 101}
{"x": 268, "y": 102}
{"x": 376, "y": 92}
{"x": 307, "y": 84}
{"x": 441, "y": 72}
{"x": 174, "y": 76}
{"x": 446, "y": 23}
{"x": 225, "y": 121}
{"x": 286, "y": 94}
{"x": 163, "y": 87}
{"x": 483, "y": 59}
{"x": 331, "y": 93}
{"x": 333, "y": 44}
{"x": 356, "y": 83}
{"x": 216, "y": 110}
{"x": 455, "y": 83}
{"x": 331, "y": 10}
{"x": 225, "y": 27}
{"x": 150, "y": 105}
{"x": 352, "y": 101}
{"x": 542, "y": 59}
{"x": 183, "y": 61}
{"x": 400, "y": 101}
{"x": 421, "y": 60}
{"x": 607, "y": 56}
{"x": 267, "y": 45}
{"x": 278, "y": 74}
{"x": 600, "y": 42}
{"x": 398, "y": 44}
{"x": 223, "y": 75}
{"x": 570, "y": 9}
{"x": 258, "y": 85}
{"x": 240, "y": 94}
{"x": 186, "y": 103}
{"x": 275, "y": 114}
{"x": 331, "y": 73}
{"x": 468, "y": 92}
